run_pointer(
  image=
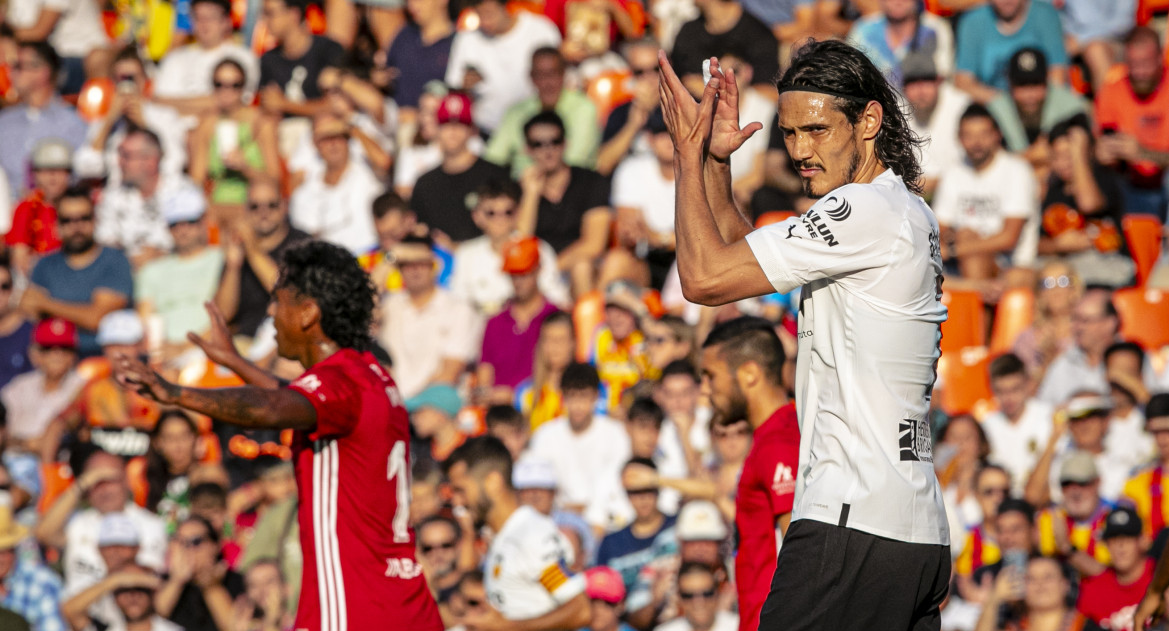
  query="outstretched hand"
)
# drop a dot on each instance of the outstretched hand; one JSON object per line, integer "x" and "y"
{"x": 217, "y": 345}
{"x": 689, "y": 123}
{"x": 134, "y": 375}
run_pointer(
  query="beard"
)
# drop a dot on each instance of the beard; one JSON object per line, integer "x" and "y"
{"x": 854, "y": 162}
{"x": 734, "y": 411}
{"x": 77, "y": 245}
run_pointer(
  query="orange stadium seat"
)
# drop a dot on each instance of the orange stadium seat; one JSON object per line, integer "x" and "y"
{"x": 1144, "y": 316}
{"x": 1147, "y": 8}
{"x": 965, "y": 381}
{"x": 1144, "y": 234}
{"x": 1012, "y": 316}
{"x": 587, "y": 315}
{"x": 966, "y": 324}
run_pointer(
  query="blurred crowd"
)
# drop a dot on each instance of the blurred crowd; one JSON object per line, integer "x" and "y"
{"x": 504, "y": 174}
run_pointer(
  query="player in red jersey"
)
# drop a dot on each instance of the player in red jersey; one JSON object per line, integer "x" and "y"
{"x": 742, "y": 365}
{"x": 351, "y": 446}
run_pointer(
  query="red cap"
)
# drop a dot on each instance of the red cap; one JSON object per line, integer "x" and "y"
{"x": 55, "y": 332}
{"x": 521, "y": 256}
{"x": 455, "y": 108}
{"x": 604, "y": 583}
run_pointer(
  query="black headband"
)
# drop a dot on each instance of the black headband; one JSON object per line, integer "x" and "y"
{"x": 810, "y": 88}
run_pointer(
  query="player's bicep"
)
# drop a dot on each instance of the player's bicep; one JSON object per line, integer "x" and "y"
{"x": 553, "y": 556}
{"x": 323, "y": 403}
{"x": 802, "y": 249}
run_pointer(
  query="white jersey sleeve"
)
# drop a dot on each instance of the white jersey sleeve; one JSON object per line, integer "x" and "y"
{"x": 846, "y": 232}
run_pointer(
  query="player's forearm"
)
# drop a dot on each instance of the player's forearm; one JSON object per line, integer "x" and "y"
{"x": 697, "y": 233}
{"x": 247, "y": 406}
{"x": 732, "y": 225}
{"x": 574, "y": 614}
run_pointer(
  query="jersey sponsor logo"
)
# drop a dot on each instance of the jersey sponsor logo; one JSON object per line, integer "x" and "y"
{"x": 783, "y": 482}
{"x": 308, "y": 383}
{"x": 790, "y": 230}
{"x": 403, "y": 567}
{"x": 916, "y": 444}
{"x": 802, "y": 334}
{"x": 841, "y": 212}
{"x": 816, "y": 227}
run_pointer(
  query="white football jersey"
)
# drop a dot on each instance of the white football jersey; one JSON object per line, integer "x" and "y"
{"x": 527, "y": 567}
{"x": 869, "y": 261}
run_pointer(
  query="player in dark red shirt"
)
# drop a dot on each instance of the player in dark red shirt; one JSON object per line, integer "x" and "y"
{"x": 351, "y": 445}
{"x": 742, "y": 365}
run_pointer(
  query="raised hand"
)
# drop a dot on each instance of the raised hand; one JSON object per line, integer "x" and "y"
{"x": 689, "y": 123}
{"x": 725, "y": 135}
{"x": 132, "y": 374}
{"x": 217, "y": 345}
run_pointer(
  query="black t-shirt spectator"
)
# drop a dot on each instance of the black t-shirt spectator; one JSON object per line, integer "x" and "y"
{"x": 191, "y": 612}
{"x": 559, "y": 223}
{"x": 416, "y": 63}
{"x": 749, "y": 39}
{"x": 440, "y": 198}
{"x": 1109, "y": 183}
{"x": 253, "y": 297}
{"x": 617, "y": 119}
{"x": 299, "y": 76}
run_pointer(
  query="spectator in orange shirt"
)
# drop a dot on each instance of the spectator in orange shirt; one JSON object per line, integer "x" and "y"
{"x": 34, "y": 222}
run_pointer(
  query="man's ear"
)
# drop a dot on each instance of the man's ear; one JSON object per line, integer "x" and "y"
{"x": 871, "y": 120}
{"x": 310, "y": 314}
{"x": 748, "y": 375}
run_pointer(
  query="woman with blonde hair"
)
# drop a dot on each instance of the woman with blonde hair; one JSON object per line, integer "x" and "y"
{"x": 1057, "y": 290}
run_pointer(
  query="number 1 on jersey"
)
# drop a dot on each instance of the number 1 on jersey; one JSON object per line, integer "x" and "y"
{"x": 398, "y": 468}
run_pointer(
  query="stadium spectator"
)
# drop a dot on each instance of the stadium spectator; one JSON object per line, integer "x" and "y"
{"x": 175, "y": 287}
{"x": 606, "y": 592}
{"x": 15, "y": 329}
{"x": 130, "y": 216}
{"x": 990, "y": 34}
{"x": 1080, "y": 428}
{"x": 33, "y": 230}
{"x": 1090, "y": 32}
{"x": 185, "y": 79}
{"x": 35, "y": 398}
{"x": 233, "y": 142}
{"x": 723, "y": 25}
{"x": 40, "y": 114}
{"x": 935, "y": 108}
{"x": 1021, "y": 426}
{"x": 74, "y": 31}
{"x": 1127, "y": 438}
{"x": 623, "y": 126}
{"x": 419, "y": 54}
{"x": 677, "y": 392}
{"x": 899, "y": 29}
{"x": 1042, "y": 591}
{"x": 1057, "y": 291}
{"x": 289, "y": 72}
{"x": 534, "y": 480}
{"x": 131, "y": 590}
{"x": 439, "y": 540}
{"x": 333, "y": 205}
{"x": 1076, "y": 523}
{"x": 31, "y": 589}
{"x": 262, "y": 608}
{"x": 698, "y": 590}
{"x": 198, "y": 590}
{"x": 170, "y": 465}
{"x": 494, "y": 61}
{"x": 987, "y": 205}
{"x": 1094, "y": 327}
{"x": 650, "y": 437}
{"x": 367, "y": 115}
{"x": 511, "y": 428}
{"x": 434, "y": 416}
{"x": 1109, "y": 595}
{"x": 429, "y": 332}
{"x": 1143, "y": 490}
{"x": 649, "y": 535}
{"x": 1031, "y": 105}
{"x": 617, "y": 348}
{"x": 1134, "y": 136}
{"x": 1015, "y": 531}
{"x": 251, "y": 259}
{"x": 479, "y": 274}
{"x": 440, "y": 197}
{"x": 132, "y": 107}
{"x": 510, "y": 337}
{"x": 540, "y": 398}
{"x": 980, "y": 547}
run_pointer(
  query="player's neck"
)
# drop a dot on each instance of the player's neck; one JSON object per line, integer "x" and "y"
{"x": 318, "y": 351}
{"x": 762, "y": 404}
{"x": 869, "y": 169}
{"x": 502, "y": 508}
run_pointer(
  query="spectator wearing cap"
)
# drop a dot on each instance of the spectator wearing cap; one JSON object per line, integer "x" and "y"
{"x": 130, "y": 215}
{"x": 443, "y": 195}
{"x": 902, "y": 28}
{"x": 994, "y": 32}
{"x": 935, "y": 107}
{"x": 430, "y": 333}
{"x": 479, "y": 274}
{"x": 334, "y": 205}
{"x": 40, "y": 113}
{"x": 606, "y": 592}
{"x": 698, "y": 597}
{"x": 1074, "y": 525}
{"x": 566, "y": 206}
{"x": 1110, "y": 593}
{"x": 35, "y": 398}
{"x": 581, "y": 132}
{"x": 618, "y": 345}
{"x": 701, "y": 534}
{"x": 587, "y": 448}
{"x": 1143, "y": 490}
{"x": 1095, "y": 326}
{"x": 33, "y": 232}
{"x": 494, "y": 61}
{"x": 30, "y": 589}
{"x": 434, "y": 416}
{"x": 1134, "y": 133}
{"x": 132, "y": 106}
{"x": 175, "y": 287}
{"x": 184, "y": 77}
{"x": 650, "y": 536}
{"x": 987, "y": 205}
{"x": 15, "y": 328}
{"x": 289, "y": 72}
{"x": 510, "y": 337}
{"x": 84, "y": 280}
{"x": 1032, "y": 105}
{"x": 1079, "y": 427}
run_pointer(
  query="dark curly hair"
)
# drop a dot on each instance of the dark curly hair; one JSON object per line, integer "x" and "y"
{"x": 342, "y": 290}
{"x": 835, "y": 67}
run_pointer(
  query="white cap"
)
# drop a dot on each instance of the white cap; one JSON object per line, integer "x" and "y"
{"x": 117, "y": 529}
{"x": 184, "y": 204}
{"x": 533, "y": 473}
{"x": 700, "y": 520}
{"x": 122, "y": 327}
{"x": 52, "y": 153}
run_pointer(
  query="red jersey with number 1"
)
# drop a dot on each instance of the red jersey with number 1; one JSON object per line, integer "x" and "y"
{"x": 353, "y": 482}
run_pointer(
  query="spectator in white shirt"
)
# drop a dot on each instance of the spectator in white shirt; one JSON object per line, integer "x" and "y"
{"x": 334, "y": 205}
{"x": 1095, "y": 325}
{"x": 183, "y": 80}
{"x": 1082, "y": 427}
{"x": 1127, "y": 438}
{"x": 1020, "y": 428}
{"x": 935, "y": 106}
{"x": 698, "y": 595}
{"x": 72, "y": 27}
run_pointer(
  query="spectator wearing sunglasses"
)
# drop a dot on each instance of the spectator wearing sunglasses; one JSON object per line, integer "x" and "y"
{"x": 439, "y": 539}
{"x": 698, "y": 591}
{"x": 199, "y": 588}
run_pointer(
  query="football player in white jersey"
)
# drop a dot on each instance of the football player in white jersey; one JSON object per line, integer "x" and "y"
{"x": 528, "y": 583}
{"x": 868, "y": 545}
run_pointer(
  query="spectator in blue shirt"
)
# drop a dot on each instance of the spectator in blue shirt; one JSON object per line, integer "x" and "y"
{"x": 990, "y": 34}
{"x": 649, "y": 537}
{"x": 27, "y": 587}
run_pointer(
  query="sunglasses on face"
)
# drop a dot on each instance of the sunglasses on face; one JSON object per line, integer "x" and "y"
{"x": 65, "y": 221}
{"x": 541, "y": 144}
{"x": 473, "y": 602}
{"x": 228, "y": 85}
{"x": 446, "y": 545}
{"x": 708, "y": 594}
{"x": 255, "y": 206}
{"x": 6, "y": 286}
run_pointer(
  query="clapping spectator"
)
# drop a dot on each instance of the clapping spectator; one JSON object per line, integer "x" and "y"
{"x": 1042, "y": 589}
{"x": 261, "y": 608}
{"x": 131, "y": 591}
{"x": 698, "y": 591}
{"x": 199, "y": 588}
{"x": 366, "y": 112}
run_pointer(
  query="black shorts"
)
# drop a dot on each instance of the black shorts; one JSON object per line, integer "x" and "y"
{"x": 834, "y": 579}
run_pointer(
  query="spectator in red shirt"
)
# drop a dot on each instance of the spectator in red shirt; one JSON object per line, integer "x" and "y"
{"x": 742, "y": 365}
{"x": 34, "y": 222}
{"x": 1110, "y": 598}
